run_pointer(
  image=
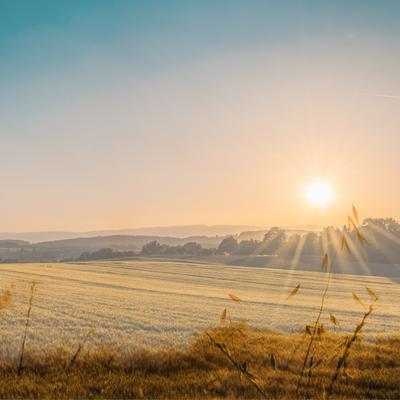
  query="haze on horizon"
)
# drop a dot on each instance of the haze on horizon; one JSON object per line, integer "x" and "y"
{"x": 129, "y": 114}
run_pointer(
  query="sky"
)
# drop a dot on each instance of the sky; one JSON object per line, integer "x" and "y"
{"x": 123, "y": 114}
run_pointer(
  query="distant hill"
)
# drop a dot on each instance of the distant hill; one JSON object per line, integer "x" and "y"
{"x": 13, "y": 244}
{"x": 179, "y": 231}
{"x": 67, "y": 249}
{"x": 123, "y": 242}
{"x": 291, "y": 230}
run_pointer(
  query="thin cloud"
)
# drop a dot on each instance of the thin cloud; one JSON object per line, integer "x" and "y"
{"x": 386, "y": 96}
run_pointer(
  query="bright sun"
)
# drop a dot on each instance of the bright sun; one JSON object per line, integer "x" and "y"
{"x": 319, "y": 193}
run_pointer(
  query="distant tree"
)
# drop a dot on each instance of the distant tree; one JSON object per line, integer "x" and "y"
{"x": 228, "y": 245}
{"x": 105, "y": 253}
{"x": 312, "y": 244}
{"x": 192, "y": 248}
{"x": 207, "y": 252}
{"x": 292, "y": 245}
{"x": 273, "y": 233}
{"x": 273, "y": 241}
{"x": 383, "y": 236}
{"x": 387, "y": 224}
{"x": 151, "y": 248}
{"x": 247, "y": 247}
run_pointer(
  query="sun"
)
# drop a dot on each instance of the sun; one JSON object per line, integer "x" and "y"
{"x": 318, "y": 193}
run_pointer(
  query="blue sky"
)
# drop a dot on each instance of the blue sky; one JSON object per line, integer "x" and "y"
{"x": 52, "y": 39}
{"x": 133, "y": 113}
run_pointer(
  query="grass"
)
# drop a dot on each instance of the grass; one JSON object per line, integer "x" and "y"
{"x": 201, "y": 370}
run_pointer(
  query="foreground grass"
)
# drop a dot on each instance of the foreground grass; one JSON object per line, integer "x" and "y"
{"x": 201, "y": 370}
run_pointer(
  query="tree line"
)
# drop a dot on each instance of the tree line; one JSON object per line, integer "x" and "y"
{"x": 381, "y": 234}
{"x": 381, "y": 242}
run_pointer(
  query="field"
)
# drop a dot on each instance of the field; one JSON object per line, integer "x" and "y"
{"x": 139, "y": 329}
{"x": 158, "y": 304}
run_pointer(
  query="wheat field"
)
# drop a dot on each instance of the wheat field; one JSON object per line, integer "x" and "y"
{"x": 164, "y": 303}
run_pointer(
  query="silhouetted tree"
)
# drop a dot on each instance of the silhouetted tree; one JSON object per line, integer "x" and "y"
{"x": 228, "y": 245}
{"x": 151, "y": 248}
{"x": 247, "y": 247}
{"x": 192, "y": 248}
{"x": 292, "y": 245}
{"x": 273, "y": 241}
{"x": 104, "y": 254}
{"x": 389, "y": 225}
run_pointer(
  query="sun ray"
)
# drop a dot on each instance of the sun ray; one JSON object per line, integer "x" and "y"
{"x": 293, "y": 264}
{"x": 358, "y": 255}
{"x": 335, "y": 238}
{"x": 384, "y": 249}
{"x": 384, "y": 232}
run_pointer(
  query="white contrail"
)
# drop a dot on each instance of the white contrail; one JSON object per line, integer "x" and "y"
{"x": 387, "y": 96}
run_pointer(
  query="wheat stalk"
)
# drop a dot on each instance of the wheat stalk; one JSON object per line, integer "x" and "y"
{"x": 79, "y": 349}
{"x": 343, "y": 359}
{"x": 242, "y": 368}
{"x": 27, "y": 323}
{"x": 316, "y": 323}
{"x": 344, "y": 245}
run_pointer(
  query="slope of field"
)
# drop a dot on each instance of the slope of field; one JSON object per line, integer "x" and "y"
{"x": 164, "y": 303}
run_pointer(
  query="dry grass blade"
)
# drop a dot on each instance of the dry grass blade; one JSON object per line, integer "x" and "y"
{"x": 320, "y": 330}
{"x": 333, "y": 319}
{"x": 79, "y": 348}
{"x": 310, "y": 370}
{"x": 357, "y": 299}
{"x": 355, "y": 214}
{"x": 351, "y": 223}
{"x": 294, "y": 292}
{"x": 345, "y": 244}
{"x": 316, "y": 323}
{"x": 234, "y": 297}
{"x": 27, "y": 323}
{"x": 223, "y": 316}
{"x": 361, "y": 238}
{"x": 273, "y": 361}
{"x": 242, "y": 368}
{"x": 325, "y": 262}
{"x": 343, "y": 359}
{"x": 372, "y": 294}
